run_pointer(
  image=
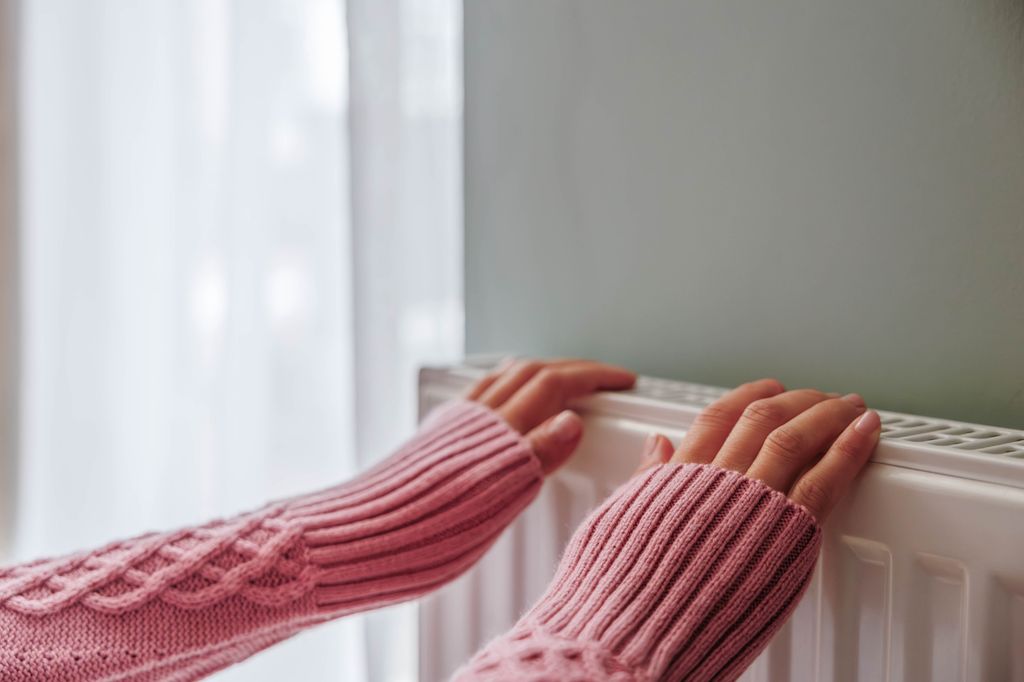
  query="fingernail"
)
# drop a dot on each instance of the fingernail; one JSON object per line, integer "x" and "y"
{"x": 649, "y": 445}
{"x": 868, "y": 423}
{"x": 566, "y": 427}
{"x": 854, "y": 399}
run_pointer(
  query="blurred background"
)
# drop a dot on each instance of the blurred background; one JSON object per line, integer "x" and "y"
{"x": 237, "y": 235}
{"x": 231, "y": 230}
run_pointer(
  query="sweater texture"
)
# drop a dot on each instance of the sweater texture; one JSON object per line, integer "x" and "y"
{"x": 685, "y": 573}
{"x": 180, "y": 605}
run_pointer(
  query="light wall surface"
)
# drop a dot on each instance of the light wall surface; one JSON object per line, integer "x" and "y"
{"x": 831, "y": 193}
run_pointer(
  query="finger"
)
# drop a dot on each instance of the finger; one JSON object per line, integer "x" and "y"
{"x": 759, "y": 419}
{"x": 477, "y": 389}
{"x": 554, "y": 386}
{"x": 657, "y": 450}
{"x": 712, "y": 426}
{"x": 510, "y": 381}
{"x": 556, "y": 439}
{"x": 792, "y": 447}
{"x": 825, "y": 483}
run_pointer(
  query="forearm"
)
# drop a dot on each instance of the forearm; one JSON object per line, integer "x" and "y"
{"x": 684, "y": 574}
{"x": 182, "y": 604}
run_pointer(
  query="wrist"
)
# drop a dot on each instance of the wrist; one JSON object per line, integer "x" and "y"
{"x": 684, "y": 573}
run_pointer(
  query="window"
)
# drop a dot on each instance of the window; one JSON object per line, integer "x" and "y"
{"x": 239, "y": 235}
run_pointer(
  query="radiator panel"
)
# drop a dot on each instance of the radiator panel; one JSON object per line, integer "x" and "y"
{"x": 921, "y": 574}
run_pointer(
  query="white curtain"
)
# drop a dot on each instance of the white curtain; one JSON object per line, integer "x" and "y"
{"x": 232, "y": 262}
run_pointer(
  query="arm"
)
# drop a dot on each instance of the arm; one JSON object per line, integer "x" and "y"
{"x": 688, "y": 570}
{"x": 216, "y": 593}
{"x": 182, "y": 604}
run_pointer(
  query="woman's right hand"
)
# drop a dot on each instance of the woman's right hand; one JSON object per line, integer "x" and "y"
{"x": 804, "y": 443}
{"x": 532, "y": 396}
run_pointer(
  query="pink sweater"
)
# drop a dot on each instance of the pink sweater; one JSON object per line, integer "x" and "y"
{"x": 685, "y": 573}
{"x": 641, "y": 594}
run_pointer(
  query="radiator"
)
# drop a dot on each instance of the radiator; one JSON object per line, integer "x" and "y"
{"x": 921, "y": 575}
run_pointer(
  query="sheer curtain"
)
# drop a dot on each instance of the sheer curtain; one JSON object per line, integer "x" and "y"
{"x": 240, "y": 234}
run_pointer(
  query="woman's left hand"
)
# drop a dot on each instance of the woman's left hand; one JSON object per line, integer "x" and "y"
{"x": 532, "y": 396}
{"x": 808, "y": 445}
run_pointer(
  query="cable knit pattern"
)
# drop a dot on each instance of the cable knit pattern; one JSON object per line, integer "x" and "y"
{"x": 152, "y": 566}
{"x": 685, "y": 573}
{"x": 179, "y": 605}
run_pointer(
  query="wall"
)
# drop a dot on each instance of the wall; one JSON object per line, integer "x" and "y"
{"x": 827, "y": 192}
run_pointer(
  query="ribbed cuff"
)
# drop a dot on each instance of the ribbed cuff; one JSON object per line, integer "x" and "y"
{"x": 422, "y": 516}
{"x": 685, "y": 573}
{"x": 181, "y": 604}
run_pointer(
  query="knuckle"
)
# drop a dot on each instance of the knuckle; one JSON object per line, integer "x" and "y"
{"x": 549, "y": 379}
{"x": 835, "y": 414}
{"x": 764, "y": 412}
{"x": 766, "y": 382}
{"x": 527, "y": 367}
{"x": 809, "y": 393}
{"x": 847, "y": 449}
{"x": 786, "y": 443}
{"x": 715, "y": 416}
{"x": 840, "y": 406}
{"x": 482, "y": 383}
{"x": 813, "y": 494}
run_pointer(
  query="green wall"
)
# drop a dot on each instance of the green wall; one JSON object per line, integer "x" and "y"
{"x": 831, "y": 193}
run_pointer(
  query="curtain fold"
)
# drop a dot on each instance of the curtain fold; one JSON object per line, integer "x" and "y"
{"x": 405, "y": 131}
{"x": 9, "y": 268}
{"x": 240, "y": 235}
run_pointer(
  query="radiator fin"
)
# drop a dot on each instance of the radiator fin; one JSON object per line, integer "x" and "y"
{"x": 938, "y": 619}
{"x": 865, "y": 613}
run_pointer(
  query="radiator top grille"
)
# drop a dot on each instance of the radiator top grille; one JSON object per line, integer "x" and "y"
{"x": 935, "y": 433}
{"x": 895, "y": 426}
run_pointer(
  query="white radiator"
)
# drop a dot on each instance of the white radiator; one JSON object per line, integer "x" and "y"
{"x": 921, "y": 575}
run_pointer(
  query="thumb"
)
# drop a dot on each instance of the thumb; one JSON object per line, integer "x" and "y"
{"x": 657, "y": 450}
{"x": 556, "y": 439}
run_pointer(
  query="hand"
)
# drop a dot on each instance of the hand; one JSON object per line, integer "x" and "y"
{"x": 531, "y": 395}
{"x": 778, "y": 437}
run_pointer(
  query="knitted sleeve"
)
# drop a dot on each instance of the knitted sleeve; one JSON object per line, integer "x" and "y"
{"x": 685, "y": 573}
{"x": 179, "y": 605}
